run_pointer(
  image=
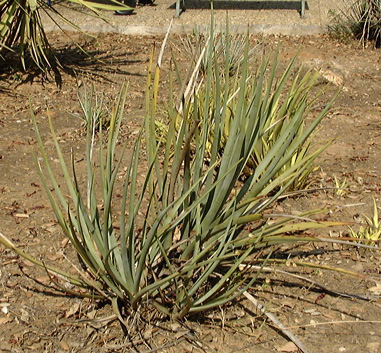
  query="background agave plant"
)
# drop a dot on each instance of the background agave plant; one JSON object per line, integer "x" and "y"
{"x": 178, "y": 243}
{"x": 360, "y": 19}
{"x": 22, "y": 30}
{"x": 279, "y": 99}
{"x": 192, "y": 46}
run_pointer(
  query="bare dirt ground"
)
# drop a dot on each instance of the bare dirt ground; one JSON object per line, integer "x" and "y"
{"x": 36, "y": 318}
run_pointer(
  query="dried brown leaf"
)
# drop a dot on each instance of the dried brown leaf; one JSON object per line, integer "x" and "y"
{"x": 43, "y": 279}
{"x": 72, "y": 311}
{"x": 4, "y": 320}
{"x": 64, "y": 345}
{"x": 27, "y": 263}
{"x": 54, "y": 257}
{"x": 21, "y": 215}
{"x": 64, "y": 242}
{"x": 288, "y": 347}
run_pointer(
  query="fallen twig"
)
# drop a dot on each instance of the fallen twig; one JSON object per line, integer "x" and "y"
{"x": 278, "y": 324}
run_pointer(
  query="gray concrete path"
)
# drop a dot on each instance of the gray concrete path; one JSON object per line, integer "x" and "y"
{"x": 151, "y": 20}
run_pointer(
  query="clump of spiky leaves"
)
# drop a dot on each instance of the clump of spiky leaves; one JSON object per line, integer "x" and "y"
{"x": 371, "y": 230}
{"x": 94, "y": 112}
{"x": 360, "y": 19}
{"x": 22, "y": 29}
{"x": 21, "y": 24}
{"x": 286, "y": 97}
{"x": 179, "y": 242}
{"x": 280, "y": 99}
{"x": 192, "y": 46}
{"x": 340, "y": 186}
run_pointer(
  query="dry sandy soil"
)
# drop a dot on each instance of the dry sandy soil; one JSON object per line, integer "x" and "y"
{"x": 37, "y": 318}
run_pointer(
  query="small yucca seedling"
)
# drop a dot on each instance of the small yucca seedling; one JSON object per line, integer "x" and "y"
{"x": 340, "y": 186}
{"x": 94, "y": 112}
{"x": 371, "y": 230}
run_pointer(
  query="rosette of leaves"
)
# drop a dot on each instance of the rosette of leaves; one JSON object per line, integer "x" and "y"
{"x": 360, "y": 19}
{"x": 280, "y": 98}
{"x": 22, "y": 29}
{"x": 178, "y": 242}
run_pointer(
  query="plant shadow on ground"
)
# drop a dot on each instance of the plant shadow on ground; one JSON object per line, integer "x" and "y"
{"x": 72, "y": 61}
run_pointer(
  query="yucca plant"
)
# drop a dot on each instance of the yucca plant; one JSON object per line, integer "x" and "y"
{"x": 360, "y": 19}
{"x": 341, "y": 187}
{"x": 178, "y": 242}
{"x": 22, "y": 29}
{"x": 370, "y": 230}
{"x": 280, "y": 99}
{"x": 192, "y": 45}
